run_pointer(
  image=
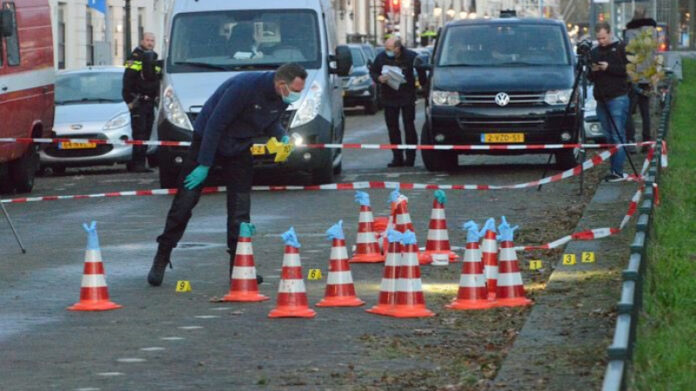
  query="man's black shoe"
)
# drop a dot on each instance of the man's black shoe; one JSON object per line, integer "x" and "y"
{"x": 259, "y": 279}
{"x": 396, "y": 163}
{"x": 615, "y": 177}
{"x": 159, "y": 265}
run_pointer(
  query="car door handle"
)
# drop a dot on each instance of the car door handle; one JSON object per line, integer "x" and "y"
{"x": 4, "y": 88}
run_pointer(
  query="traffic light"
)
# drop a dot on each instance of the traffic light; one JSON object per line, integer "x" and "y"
{"x": 394, "y": 6}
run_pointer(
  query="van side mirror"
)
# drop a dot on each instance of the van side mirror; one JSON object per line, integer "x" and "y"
{"x": 7, "y": 27}
{"x": 420, "y": 62}
{"x": 344, "y": 61}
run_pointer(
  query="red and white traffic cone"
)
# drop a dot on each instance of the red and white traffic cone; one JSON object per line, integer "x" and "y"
{"x": 402, "y": 223}
{"x": 510, "y": 289}
{"x": 366, "y": 246}
{"x": 94, "y": 294}
{"x": 243, "y": 284}
{"x": 410, "y": 302}
{"x": 437, "y": 246}
{"x": 292, "y": 294}
{"x": 472, "y": 293}
{"x": 489, "y": 248}
{"x": 340, "y": 290}
{"x": 387, "y": 289}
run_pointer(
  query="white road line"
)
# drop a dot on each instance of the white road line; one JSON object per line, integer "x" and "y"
{"x": 220, "y": 308}
{"x": 110, "y": 374}
{"x": 207, "y": 316}
{"x": 129, "y": 360}
{"x": 172, "y": 338}
{"x": 152, "y": 349}
{"x": 190, "y": 327}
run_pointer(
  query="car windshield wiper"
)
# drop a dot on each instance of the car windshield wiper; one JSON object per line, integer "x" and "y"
{"x": 202, "y": 65}
{"x": 516, "y": 63}
{"x": 87, "y": 100}
{"x": 252, "y": 66}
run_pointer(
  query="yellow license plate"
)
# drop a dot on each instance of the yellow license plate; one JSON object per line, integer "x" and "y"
{"x": 502, "y": 138}
{"x": 69, "y": 145}
{"x": 259, "y": 149}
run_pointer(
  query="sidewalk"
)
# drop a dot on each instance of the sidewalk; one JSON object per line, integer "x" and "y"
{"x": 562, "y": 346}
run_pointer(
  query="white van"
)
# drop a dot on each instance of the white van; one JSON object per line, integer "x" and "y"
{"x": 209, "y": 41}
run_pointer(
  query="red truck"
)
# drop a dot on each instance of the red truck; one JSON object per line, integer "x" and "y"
{"x": 26, "y": 88}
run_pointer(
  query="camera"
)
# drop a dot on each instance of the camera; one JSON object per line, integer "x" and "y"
{"x": 584, "y": 47}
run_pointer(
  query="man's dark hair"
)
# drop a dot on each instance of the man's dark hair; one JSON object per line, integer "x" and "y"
{"x": 602, "y": 26}
{"x": 289, "y": 72}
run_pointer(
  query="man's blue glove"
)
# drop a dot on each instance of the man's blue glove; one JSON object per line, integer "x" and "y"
{"x": 290, "y": 238}
{"x": 441, "y": 196}
{"x": 336, "y": 231}
{"x": 362, "y": 198}
{"x": 505, "y": 231}
{"x": 196, "y": 177}
{"x": 472, "y": 231}
{"x": 489, "y": 226}
{"x": 285, "y": 139}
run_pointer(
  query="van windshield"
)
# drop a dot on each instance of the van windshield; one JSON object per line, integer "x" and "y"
{"x": 243, "y": 40}
{"x": 504, "y": 45}
{"x": 89, "y": 87}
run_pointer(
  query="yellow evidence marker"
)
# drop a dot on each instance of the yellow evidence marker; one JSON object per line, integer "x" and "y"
{"x": 281, "y": 150}
{"x": 314, "y": 274}
{"x": 535, "y": 264}
{"x": 569, "y": 259}
{"x": 183, "y": 286}
{"x": 588, "y": 257}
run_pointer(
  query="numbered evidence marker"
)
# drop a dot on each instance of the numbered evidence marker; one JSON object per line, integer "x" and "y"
{"x": 183, "y": 286}
{"x": 569, "y": 259}
{"x": 588, "y": 257}
{"x": 535, "y": 264}
{"x": 314, "y": 274}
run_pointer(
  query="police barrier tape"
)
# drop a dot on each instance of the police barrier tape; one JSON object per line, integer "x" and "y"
{"x": 508, "y": 147}
{"x": 586, "y": 165}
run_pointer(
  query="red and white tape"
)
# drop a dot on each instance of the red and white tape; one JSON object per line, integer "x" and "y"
{"x": 586, "y": 165}
{"x": 509, "y": 147}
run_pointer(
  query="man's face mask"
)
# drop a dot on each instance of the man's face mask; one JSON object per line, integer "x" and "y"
{"x": 390, "y": 53}
{"x": 292, "y": 96}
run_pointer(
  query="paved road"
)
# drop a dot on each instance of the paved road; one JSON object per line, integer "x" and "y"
{"x": 181, "y": 341}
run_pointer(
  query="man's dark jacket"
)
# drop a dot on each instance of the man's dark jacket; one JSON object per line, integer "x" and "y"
{"x": 142, "y": 76}
{"x": 242, "y": 108}
{"x": 613, "y": 82}
{"x": 406, "y": 94}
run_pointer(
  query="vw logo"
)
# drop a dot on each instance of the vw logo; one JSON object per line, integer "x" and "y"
{"x": 502, "y": 99}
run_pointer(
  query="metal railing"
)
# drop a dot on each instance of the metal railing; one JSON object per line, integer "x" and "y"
{"x": 620, "y": 351}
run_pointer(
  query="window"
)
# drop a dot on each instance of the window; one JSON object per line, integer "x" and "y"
{"x": 61, "y": 36}
{"x": 90, "y": 38}
{"x": 12, "y": 42}
{"x": 141, "y": 25}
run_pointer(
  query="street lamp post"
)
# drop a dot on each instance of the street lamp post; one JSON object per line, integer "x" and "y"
{"x": 127, "y": 30}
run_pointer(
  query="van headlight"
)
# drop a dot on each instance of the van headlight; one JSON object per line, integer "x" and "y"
{"x": 309, "y": 108}
{"x": 557, "y": 97}
{"x": 173, "y": 110}
{"x": 118, "y": 121}
{"x": 445, "y": 98}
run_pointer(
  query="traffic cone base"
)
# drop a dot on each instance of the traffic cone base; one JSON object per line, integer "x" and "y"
{"x": 96, "y": 305}
{"x": 438, "y": 257}
{"x": 471, "y": 305}
{"x": 292, "y": 312}
{"x": 367, "y": 258}
{"x": 245, "y": 297}
{"x": 411, "y": 311}
{"x": 340, "y": 301}
{"x": 513, "y": 302}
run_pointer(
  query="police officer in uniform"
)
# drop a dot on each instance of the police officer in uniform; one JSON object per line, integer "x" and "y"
{"x": 246, "y": 106}
{"x": 141, "y": 84}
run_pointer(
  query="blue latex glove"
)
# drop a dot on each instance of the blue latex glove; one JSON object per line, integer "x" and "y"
{"x": 394, "y": 194}
{"x": 290, "y": 238}
{"x": 336, "y": 231}
{"x": 489, "y": 226}
{"x": 285, "y": 139}
{"x": 362, "y": 198}
{"x": 196, "y": 177}
{"x": 247, "y": 230}
{"x": 408, "y": 237}
{"x": 472, "y": 231}
{"x": 92, "y": 237}
{"x": 441, "y": 196}
{"x": 505, "y": 231}
{"x": 393, "y": 236}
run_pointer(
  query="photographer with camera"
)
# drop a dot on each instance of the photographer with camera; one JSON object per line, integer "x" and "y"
{"x": 608, "y": 72}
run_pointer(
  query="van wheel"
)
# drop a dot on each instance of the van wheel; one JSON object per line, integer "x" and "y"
{"x": 323, "y": 175}
{"x": 436, "y": 160}
{"x": 567, "y": 158}
{"x": 168, "y": 177}
{"x": 152, "y": 160}
{"x": 23, "y": 170}
{"x": 372, "y": 107}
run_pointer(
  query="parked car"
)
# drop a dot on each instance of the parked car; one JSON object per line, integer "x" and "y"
{"x": 26, "y": 88}
{"x": 593, "y": 128}
{"x": 499, "y": 81}
{"x": 358, "y": 87}
{"x": 211, "y": 41}
{"x": 89, "y": 105}
{"x": 369, "y": 51}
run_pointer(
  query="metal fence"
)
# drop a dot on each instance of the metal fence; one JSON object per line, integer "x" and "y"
{"x": 621, "y": 349}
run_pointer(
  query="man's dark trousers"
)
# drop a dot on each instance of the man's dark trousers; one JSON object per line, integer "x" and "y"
{"x": 408, "y": 116}
{"x": 237, "y": 175}
{"x": 643, "y": 103}
{"x": 142, "y": 118}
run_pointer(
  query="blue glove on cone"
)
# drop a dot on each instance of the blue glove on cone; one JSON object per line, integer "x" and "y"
{"x": 394, "y": 194}
{"x": 393, "y": 236}
{"x": 441, "y": 196}
{"x": 408, "y": 237}
{"x": 362, "y": 198}
{"x": 92, "y": 237}
{"x": 472, "y": 231}
{"x": 489, "y": 226}
{"x": 505, "y": 231}
{"x": 196, "y": 177}
{"x": 336, "y": 231}
{"x": 247, "y": 230}
{"x": 290, "y": 238}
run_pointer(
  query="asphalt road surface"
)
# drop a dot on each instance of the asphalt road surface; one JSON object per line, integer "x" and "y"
{"x": 162, "y": 339}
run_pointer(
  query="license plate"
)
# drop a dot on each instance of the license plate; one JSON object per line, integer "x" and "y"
{"x": 502, "y": 138}
{"x": 69, "y": 145}
{"x": 259, "y": 149}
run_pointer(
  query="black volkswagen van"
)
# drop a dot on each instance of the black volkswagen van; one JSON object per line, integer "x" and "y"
{"x": 501, "y": 81}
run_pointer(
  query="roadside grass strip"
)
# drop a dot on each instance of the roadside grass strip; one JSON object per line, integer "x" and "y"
{"x": 665, "y": 357}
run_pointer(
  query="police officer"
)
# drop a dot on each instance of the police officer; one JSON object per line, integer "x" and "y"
{"x": 402, "y": 99}
{"x": 246, "y": 106}
{"x": 141, "y": 83}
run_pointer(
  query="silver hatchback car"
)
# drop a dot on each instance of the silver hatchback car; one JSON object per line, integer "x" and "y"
{"x": 89, "y": 105}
